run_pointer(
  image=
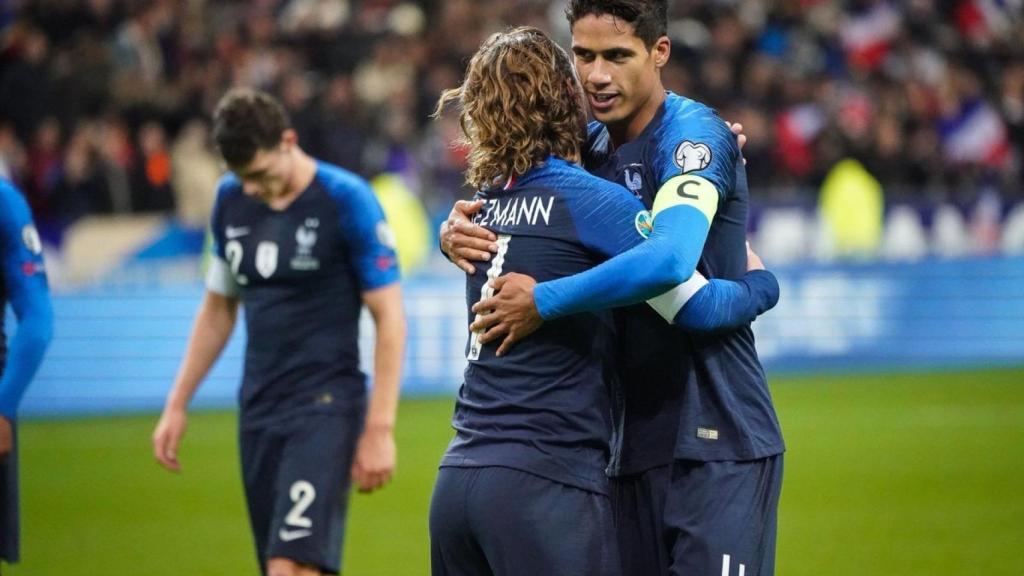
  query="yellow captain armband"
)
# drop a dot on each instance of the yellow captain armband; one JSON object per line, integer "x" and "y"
{"x": 687, "y": 190}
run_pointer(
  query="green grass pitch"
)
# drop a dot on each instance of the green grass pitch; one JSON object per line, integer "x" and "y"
{"x": 885, "y": 475}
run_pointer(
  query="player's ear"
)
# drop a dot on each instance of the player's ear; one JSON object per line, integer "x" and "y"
{"x": 289, "y": 137}
{"x": 661, "y": 50}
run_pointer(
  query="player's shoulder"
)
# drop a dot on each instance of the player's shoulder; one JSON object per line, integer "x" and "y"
{"x": 228, "y": 186}
{"x": 13, "y": 206}
{"x": 684, "y": 116}
{"x": 575, "y": 184}
{"x": 339, "y": 183}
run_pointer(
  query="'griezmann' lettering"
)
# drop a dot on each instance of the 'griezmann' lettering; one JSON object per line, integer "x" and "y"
{"x": 516, "y": 211}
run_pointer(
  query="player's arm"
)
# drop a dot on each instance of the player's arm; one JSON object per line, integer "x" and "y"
{"x": 695, "y": 174}
{"x": 375, "y": 464}
{"x": 720, "y": 304}
{"x": 372, "y": 246}
{"x": 213, "y": 325}
{"x": 29, "y": 297}
{"x": 211, "y": 330}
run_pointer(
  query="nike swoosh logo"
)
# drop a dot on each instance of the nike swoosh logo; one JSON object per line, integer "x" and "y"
{"x": 233, "y": 233}
{"x": 289, "y": 535}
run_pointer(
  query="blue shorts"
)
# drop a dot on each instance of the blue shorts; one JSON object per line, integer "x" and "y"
{"x": 495, "y": 521}
{"x": 297, "y": 476}
{"x": 721, "y": 517}
{"x": 638, "y": 503}
{"x": 10, "y": 537}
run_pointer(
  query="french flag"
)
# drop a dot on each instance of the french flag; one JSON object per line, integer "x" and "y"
{"x": 975, "y": 135}
{"x": 866, "y": 36}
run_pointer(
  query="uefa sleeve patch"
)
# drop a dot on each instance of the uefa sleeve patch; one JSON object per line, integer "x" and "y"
{"x": 30, "y": 237}
{"x": 692, "y": 156}
{"x": 644, "y": 223}
{"x": 688, "y": 191}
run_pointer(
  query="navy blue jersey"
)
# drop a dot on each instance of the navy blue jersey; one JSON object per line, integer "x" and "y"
{"x": 23, "y": 284}
{"x": 718, "y": 396}
{"x": 543, "y": 407}
{"x": 300, "y": 274}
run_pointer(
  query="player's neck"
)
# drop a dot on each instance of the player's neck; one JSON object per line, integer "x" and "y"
{"x": 303, "y": 172}
{"x": 630, "y": 128}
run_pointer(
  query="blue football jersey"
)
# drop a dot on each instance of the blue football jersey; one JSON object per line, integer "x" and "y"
{"x": 300, "y": 274}
{"x": 543, "y": 407}
{"x": 23, "y": 285}
{"x": 715, "y": 403}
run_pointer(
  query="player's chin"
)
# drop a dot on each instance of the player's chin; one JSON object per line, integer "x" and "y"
{"x": 607, "y": 115}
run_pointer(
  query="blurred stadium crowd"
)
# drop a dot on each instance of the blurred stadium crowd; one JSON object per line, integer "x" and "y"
{"x": 103, "y": 103}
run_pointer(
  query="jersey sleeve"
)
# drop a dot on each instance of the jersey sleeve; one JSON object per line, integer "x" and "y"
{"x": 696, "y": 144}
{"x": 370, "y": 239}
{"x": 25, "y": 278}
{"x": 219, "y": 277}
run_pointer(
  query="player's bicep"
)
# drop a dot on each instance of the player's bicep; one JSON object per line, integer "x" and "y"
{"x": 687, "y": 192}
{"x": 371, "y": 239}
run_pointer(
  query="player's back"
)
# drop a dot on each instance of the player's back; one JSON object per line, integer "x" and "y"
{"x": 300, "y": 286}
{"x": 543, "y": 407}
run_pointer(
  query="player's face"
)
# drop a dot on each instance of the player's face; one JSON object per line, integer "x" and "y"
{"x": 620, "y": 75}
{"x": 267, "y": 175}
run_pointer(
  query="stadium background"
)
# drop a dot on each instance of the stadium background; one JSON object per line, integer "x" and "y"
{"x": 885, "y": 159}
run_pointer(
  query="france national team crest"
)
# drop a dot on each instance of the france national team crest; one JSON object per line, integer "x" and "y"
{"x": 692, "y": 156}
{"x": 633, "y": 180}
{"x": 305, "y": 239}
{"x": 266, "y": 258}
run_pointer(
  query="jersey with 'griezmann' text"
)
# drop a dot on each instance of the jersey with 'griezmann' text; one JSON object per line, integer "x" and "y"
{"x": 300, "y": 274}
{"x": 543, "y": 407}
{"x": 719, "y": 403}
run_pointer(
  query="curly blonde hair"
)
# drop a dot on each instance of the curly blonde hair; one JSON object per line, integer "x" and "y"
{"x": 520, "y": 103}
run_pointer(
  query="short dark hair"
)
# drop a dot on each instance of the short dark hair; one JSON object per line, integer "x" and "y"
{"x": 648, "y": 17}
{"x": 247, "y": 120}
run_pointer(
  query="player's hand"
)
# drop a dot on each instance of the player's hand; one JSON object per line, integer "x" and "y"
{"x": 464, "y": 242}
{"x": 741, "y": 138}
{"x": 374, "y": 462}
{"x": 6, "y": 436}
{"x": 753, "y": 260}
{"x": 167, "y": 436}
{"x": 511, "y": 312}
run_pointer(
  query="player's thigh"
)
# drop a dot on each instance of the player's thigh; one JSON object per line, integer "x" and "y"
{"x": 529, "y": 525}
{"x": 260, "y": 451}
{"x": 454, "y": 550}
{"x": 312, "y": 486}
{"x": 638, "y": 502}
{"x": 10, "y": 537}
{"x": 722, "y": 517}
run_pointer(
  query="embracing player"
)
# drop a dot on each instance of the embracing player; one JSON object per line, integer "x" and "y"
{"x": 698, "y": 464}
{"x": 522, "y": 488}
{"x": 302, "y": 245}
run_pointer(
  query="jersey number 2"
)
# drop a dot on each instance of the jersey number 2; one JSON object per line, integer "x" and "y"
{"x": 302, "y": 494}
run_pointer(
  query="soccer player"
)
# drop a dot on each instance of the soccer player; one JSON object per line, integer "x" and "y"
{"x": 302, "y": 245}
{"x": 699, "y": 460}
{"x": 23, "y": 284}
{"x": 522, "y": 488}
